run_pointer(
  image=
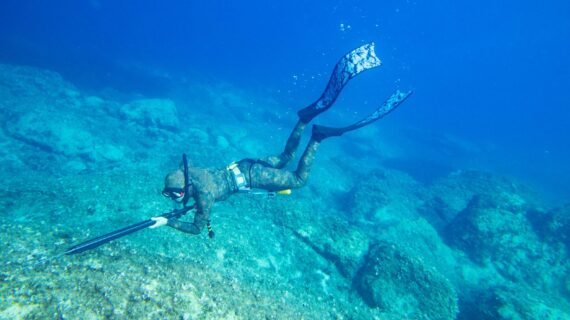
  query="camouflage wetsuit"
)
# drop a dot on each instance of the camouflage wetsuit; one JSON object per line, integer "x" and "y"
{"x": 210, "y": 185}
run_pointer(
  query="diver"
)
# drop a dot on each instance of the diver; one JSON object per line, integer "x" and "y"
{"x": 206, "y": 186}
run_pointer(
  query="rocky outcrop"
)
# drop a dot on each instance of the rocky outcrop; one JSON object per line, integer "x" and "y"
{"x": 495, "y": 229}
{"x": 332, "y": 238}
{"x": 70, "y": 137}
{"x": 42, "y": 112}
{"x": 401, "y": 284}
{"x": 451, "y": 194}
{"x": 513, "y": 302}
{"x": 381, "y": 194}
{"x": 157, "y": 113}
{"x": 554, "y": 226}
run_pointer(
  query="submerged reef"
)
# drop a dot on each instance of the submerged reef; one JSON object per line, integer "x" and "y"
{"x": 152, "y": 113}
{"x": 554, "y": 226}
{"x": 496, "y": 230}
{"x": 401, "y": 284}
{"x": 360, "y": 241}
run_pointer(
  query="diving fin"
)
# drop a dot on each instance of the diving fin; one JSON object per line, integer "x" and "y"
{"x": 349, "y": 66}
{"x": 322, "y": 132}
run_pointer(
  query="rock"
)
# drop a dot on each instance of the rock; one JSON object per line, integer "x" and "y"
{"x": 484, "y": 231}
{"x": 513, "y": 302}
{"x": 23, "y": 82}
{"x": 332, "y": 238}
{"x": 110, "y": 152}
{"x": 342, "y": 245}
{"x": 382, "y": 196}
{"x": 401, "y": 284}
{"x": 555, "y": 226}
{"x": 68, "y": 137}
{"x": 438, "y": 211}
{"x": 75, "y": 165}
{"x": 196, "y": 137}
{"x": 419, "y": 239}
{"x": 42, "y": 112}
{"x": 153, "y": 113}
{"x": 450, "y": 195}
{"x": 64, "y": 137}
{"x": 222, "y": 142}
{"x": 494, "y": 229}
{"x": 94, "y": 102}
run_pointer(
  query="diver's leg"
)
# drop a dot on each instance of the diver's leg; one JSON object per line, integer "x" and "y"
{"x": 306, "y": 162}
{"x": 272, "y": 179}
{"x": 281, "y": 160}
{"x": 350, "y": 65}
{"x": 322, "y": 132}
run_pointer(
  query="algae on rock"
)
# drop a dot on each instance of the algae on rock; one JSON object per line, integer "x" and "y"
{"x": 401, "y": 284}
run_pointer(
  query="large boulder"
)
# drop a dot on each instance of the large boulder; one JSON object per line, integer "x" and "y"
{"x": 401, "y": 284}
{"x": 342, "y": 245}
{"x": 494, "y": 230}
{"x": 384, "y": 193}
{"x": 41, "y": 111}
{"x": 555, "y": 226}
{"x": 23, "y": 88}
{"x": 62, "y": 137}
{"x": 152, "y": 113}
{"x": 451, "y": 194}
{"x": 331, "y": 237}
{"x": 68, "y": 137}
{"x": 419, "y": 239}
{"x": 513, "y": 302}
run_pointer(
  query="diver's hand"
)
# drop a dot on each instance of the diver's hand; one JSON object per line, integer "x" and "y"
{"x": 160, "y": 221}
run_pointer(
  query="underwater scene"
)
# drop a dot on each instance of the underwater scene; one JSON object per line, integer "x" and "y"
{"x": 284, "y": 159}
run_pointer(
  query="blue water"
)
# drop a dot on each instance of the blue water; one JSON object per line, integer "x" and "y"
{"x": 464, "y": 185}
{"x": 493, "y": 73}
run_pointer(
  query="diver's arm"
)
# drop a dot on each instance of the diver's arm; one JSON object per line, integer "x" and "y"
{"x": 188, "y": 227}
{"x": 204, "y": 204}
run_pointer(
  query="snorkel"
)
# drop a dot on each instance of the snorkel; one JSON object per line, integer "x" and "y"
{"x": 186, "y": 180}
